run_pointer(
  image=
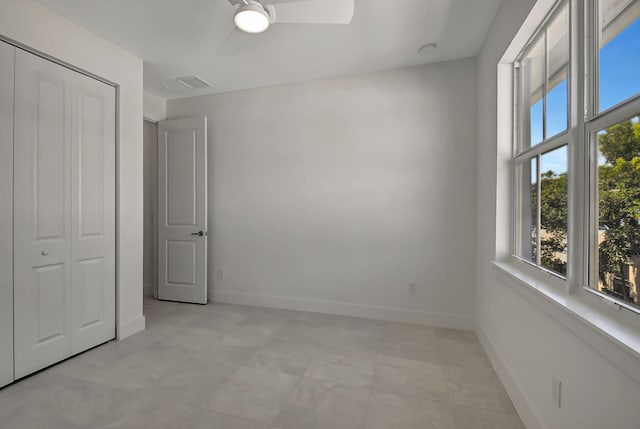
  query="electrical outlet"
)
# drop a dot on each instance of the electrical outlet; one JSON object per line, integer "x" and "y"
{"x": 413, "y": 288}
{"x": 556, "y": 391}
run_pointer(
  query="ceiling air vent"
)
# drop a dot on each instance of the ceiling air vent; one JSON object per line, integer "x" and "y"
{"x": 193, "y": 82}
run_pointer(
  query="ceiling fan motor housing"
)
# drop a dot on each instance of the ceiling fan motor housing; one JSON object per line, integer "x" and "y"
{"x": 252, "y": 17}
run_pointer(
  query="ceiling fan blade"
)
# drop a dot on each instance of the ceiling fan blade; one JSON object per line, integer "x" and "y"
{"x": 312, "y": 11}
{"x": 264, "y": 2}
{"x": 279, "y": 1}
{"x": 232, "y": 44}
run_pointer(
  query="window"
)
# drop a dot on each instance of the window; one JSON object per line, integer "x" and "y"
{"x": 542, "y": 75}
{"x": 613, "y": 132}
{"x": 618, "y": 203}
{"x": 576, "y": 171}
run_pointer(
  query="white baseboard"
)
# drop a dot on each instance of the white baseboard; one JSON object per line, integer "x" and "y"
{"x": 131, "y": 327}
{"x": 519, "y": 398}
{"x": 391, "y": 314}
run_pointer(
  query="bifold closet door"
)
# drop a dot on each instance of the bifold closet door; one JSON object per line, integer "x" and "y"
{"x": 6, "y": 213}
{"x": 64, "y": 213}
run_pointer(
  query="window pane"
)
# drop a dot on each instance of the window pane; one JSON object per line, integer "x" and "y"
{"x": 528, "y": 211}
{"x": 619, "y": 61}
{"x": 553, "y": 210}
{"x": 536, "y": 113}
{"x": 619, "y": 211}
{"x": 532, "y": 77}
{"x": 557, "y": 72}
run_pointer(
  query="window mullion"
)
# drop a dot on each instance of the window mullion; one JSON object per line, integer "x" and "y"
{"x": 525, "y": 102}
{"x": 591, "y": 72}
{"x": 578, "y": 211}
{"x": 545, "y": 78}
{"x": 538, "y": 210}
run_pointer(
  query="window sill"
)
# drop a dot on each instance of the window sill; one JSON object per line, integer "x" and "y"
{"x": 601, "y": 328}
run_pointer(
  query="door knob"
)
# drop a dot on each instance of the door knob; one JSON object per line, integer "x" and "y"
{"x": 199, "y": 233}
{"x": 44, "y": 253}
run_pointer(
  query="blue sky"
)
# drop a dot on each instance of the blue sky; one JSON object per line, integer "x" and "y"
{"x": 620, "y": 67}
{"x": 556, "y": 161}
{"x": 619, "y": 80}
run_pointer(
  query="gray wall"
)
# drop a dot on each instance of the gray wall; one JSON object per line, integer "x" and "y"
{"x": 7, "y": 55}
{"x": 150, "y": 133}
{"x": 336, "y": 195}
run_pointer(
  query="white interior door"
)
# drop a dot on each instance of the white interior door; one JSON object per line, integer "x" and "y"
{"x": 6, "y": 213}
{"x": 182, "y": 210}
{"x": 64, "y": 208}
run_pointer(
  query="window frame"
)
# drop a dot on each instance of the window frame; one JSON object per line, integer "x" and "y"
{"x": 594, "y": 121}
{"x": 548, "y": 144}
{"x": 624, "y": 111}
{"x": 607, "y": 328}
{"x": 583, "y": 124}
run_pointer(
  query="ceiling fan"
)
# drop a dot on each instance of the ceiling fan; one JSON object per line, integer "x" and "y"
{"x": 255, "y": 16}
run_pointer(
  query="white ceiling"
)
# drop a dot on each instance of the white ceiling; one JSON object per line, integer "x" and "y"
{"x": 177, "y": 38}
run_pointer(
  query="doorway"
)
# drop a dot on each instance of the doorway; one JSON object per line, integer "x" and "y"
{"x": 150, "y": 173}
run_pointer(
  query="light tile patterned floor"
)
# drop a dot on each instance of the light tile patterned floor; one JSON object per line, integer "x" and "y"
{"x": 235, "y": 367}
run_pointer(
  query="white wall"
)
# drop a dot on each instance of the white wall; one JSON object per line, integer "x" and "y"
{"x": 155, "y": 108}
{"x": 526, "y": 345}
{"x": 35, "y": 26}
{"x": 334, "y": 195}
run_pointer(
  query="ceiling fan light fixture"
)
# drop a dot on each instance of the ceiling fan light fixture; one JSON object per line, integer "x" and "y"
{"x": 252, "y": 18}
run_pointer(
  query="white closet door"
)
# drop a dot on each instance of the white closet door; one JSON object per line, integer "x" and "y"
{"x": 42, "y": 198}
{"x": 6, "y": 213}
{"x": 92, "y": 212}
{"x": 64, "y": 282}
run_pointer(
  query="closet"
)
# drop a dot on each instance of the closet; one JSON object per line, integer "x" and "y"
{"x": 57, "y": 217}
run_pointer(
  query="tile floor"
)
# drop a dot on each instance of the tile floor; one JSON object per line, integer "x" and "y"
{"x": 235, "y": 367}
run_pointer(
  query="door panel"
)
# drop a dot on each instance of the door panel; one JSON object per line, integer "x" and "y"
{"x": 182, "y": 209}
{"x": 42, "y": 215}
{"x": 50, "y": 282}
{"x": 50, "y": 153}
{"x": 92, "y": 281}
{"x": 93, "y": 212}
{"x": 91, "y": 152}
{"x": 181, "y": 177}
{"x": 7, "y": 53}
{"x": 64, "y": 213}
{"x": 181, "y": 263}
